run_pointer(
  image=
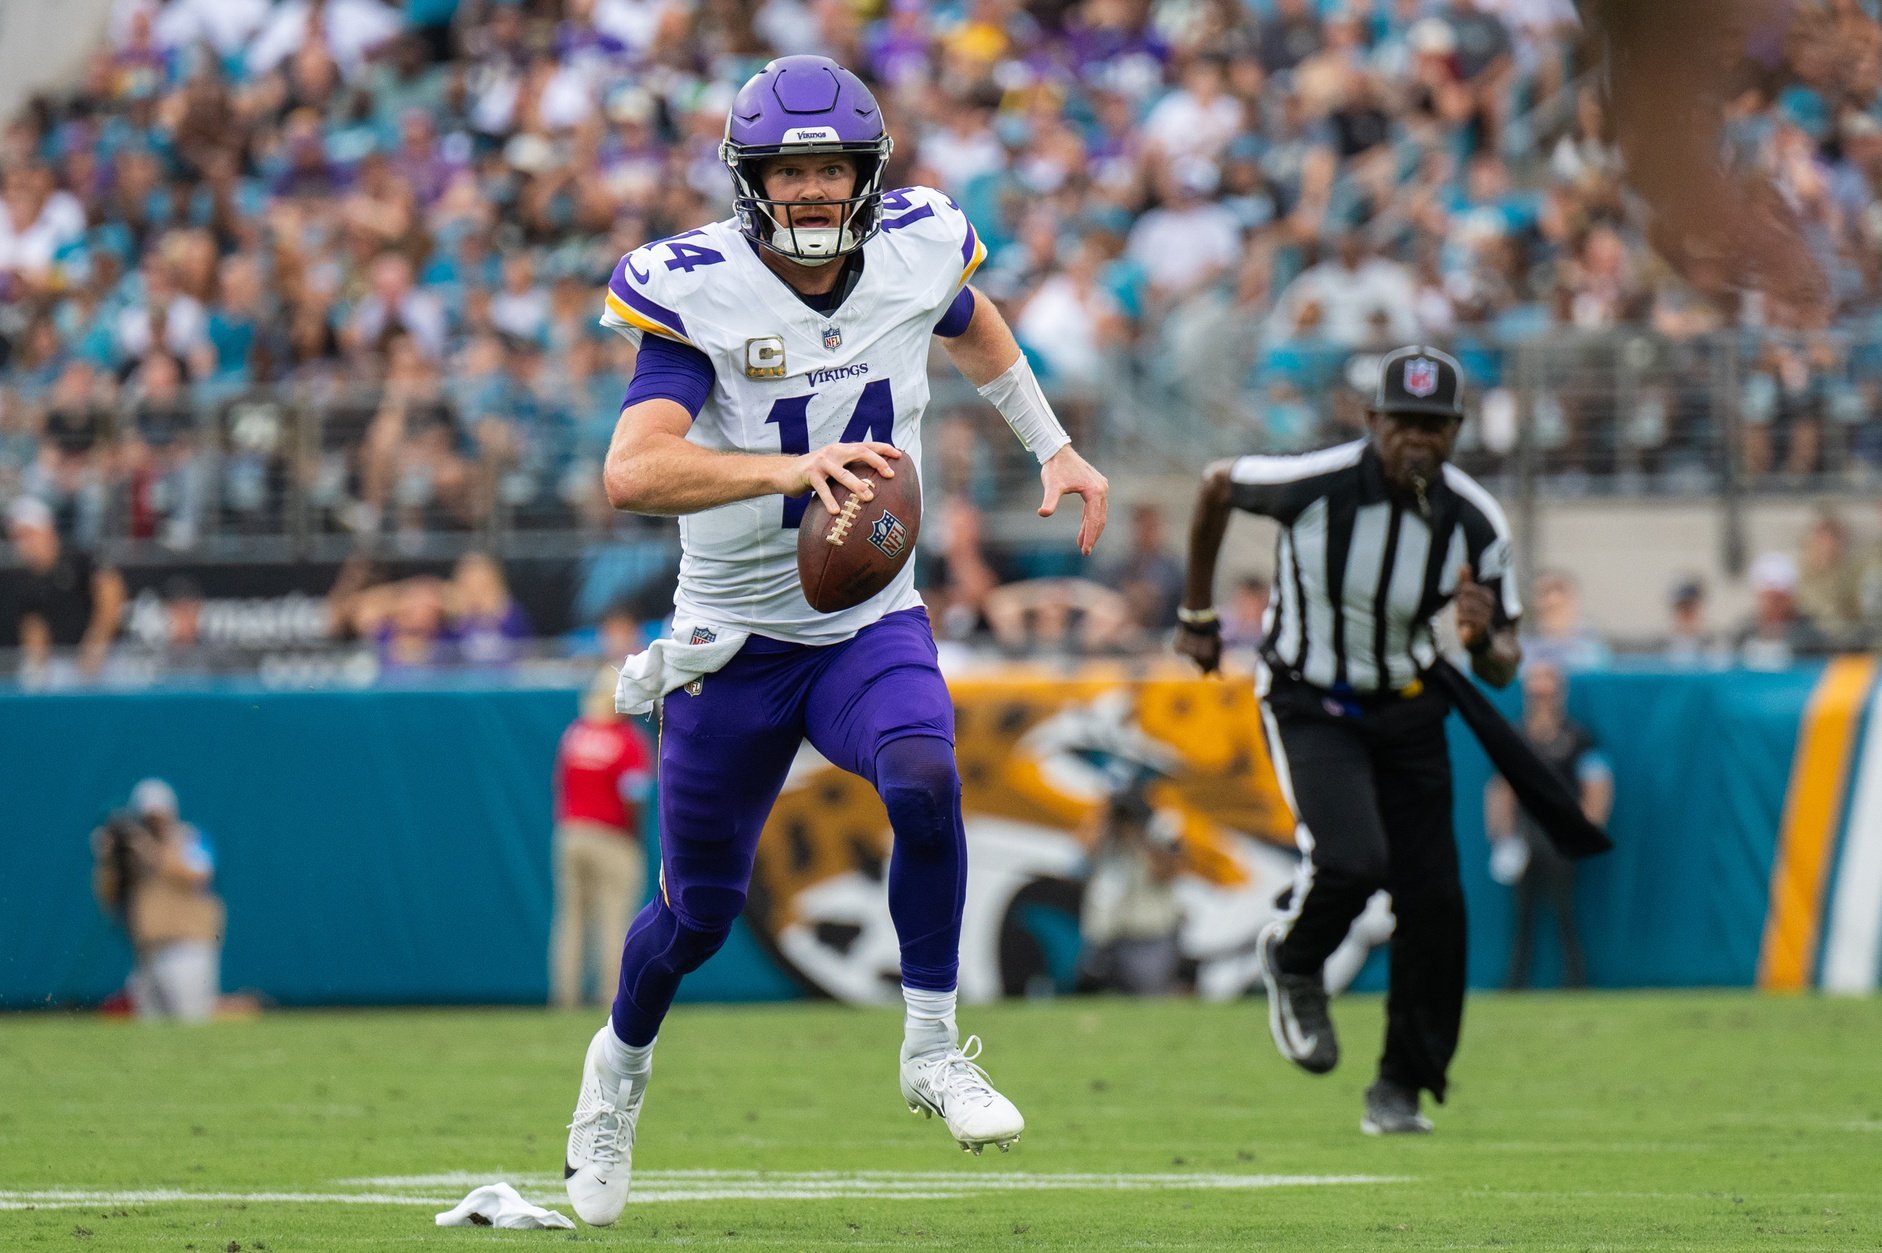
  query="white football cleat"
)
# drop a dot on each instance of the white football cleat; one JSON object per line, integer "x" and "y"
{"x": 948, "y": 1083}
{"x": 601, "y": 1139}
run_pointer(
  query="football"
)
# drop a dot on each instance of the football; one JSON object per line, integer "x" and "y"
{"x": 845, "y": 558}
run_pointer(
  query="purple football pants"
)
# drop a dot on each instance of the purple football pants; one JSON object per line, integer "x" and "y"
{"x": 875, "y": 705}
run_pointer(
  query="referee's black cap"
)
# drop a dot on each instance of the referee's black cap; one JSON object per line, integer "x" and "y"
{"x": 1420, "y": 379}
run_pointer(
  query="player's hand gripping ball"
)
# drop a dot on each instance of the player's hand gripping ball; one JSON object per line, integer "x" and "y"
{"x": 845, "y": 558}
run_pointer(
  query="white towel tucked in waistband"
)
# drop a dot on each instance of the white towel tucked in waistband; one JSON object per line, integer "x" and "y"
{"x": 694, "y": 651}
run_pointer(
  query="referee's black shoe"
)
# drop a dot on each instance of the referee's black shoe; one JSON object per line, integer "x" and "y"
{"x": 1392, "y": 1110}
{"x": 1297, "y": 1010}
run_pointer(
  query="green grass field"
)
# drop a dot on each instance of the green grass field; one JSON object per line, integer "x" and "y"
{"x": 1663, "y": 1121}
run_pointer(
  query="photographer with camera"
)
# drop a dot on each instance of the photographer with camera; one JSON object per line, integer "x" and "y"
{"x": 1130, "y": 917}
{"x": 152, "y": 872}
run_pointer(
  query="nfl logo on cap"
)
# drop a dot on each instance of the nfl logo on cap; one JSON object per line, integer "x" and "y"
{"x": 1420, "y": 379}
{"x": 832, "y": 338}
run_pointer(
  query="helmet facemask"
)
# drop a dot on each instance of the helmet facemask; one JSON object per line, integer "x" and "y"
{"x": 858, "y": 216}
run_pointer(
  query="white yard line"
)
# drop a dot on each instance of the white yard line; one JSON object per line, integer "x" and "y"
{"x": 654, "y": 1187}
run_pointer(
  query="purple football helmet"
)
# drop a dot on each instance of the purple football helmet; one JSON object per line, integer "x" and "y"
{"x": 806, "y": 104}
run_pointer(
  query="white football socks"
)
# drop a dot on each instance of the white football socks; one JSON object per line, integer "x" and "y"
{"x": 929, "y": 1026}
{"x": 624, "y": 1058}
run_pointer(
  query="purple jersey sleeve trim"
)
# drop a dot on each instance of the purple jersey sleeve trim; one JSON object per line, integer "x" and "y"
{"x": 669, "y": 371}
{"x": 624, "y": 290}
{"x": 960, "y": 313}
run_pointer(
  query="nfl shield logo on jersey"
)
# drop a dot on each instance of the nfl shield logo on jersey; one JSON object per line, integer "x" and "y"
{"x": 1421, "y": 376}
{"x": 889, "y": 535}
{"x": 832, "y": 337}
{"x": 703, "y": 635}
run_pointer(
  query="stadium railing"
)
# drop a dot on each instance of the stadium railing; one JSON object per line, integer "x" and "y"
{"x": 295, "y": 472}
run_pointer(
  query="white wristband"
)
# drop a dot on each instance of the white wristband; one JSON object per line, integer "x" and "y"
{"x": 1017, "y": 396}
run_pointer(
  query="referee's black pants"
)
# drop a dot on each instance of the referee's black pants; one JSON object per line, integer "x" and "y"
{"x": 1370, "y": 782}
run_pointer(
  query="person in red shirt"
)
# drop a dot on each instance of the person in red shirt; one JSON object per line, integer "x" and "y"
{"x": 602, "y": 771}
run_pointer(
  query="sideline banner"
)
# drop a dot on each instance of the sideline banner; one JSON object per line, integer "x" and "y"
{"x": 392, "y": 846}
{"x": 1039, "y": 751}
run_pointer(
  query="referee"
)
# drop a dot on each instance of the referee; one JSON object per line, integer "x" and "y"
{"x": 1376, "y": 537}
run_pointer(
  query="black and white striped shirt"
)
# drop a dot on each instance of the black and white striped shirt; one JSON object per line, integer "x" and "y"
{"x": 1359, "y": 575}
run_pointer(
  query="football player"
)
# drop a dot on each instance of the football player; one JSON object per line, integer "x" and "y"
{"x": 777, "y": 347}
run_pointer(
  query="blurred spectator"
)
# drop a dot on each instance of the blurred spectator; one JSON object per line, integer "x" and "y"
{"x": 1130, "y": 917}
{"x": 62, "y": 599}
{"x": 1828, "y": 582}
{"x": 604, "y": 768}
{"x": 1778, "y": 633}
{"x": 489, "y": 626}
{"x": 413, "y": 637}
{"x": 1555, "y": 632}
{"x": 182, "y": 650}
{"x": 521, "y": 308}
{"x": 1149, "y": 576}
{"x": 1199, "y": 118}
{"x": 176, "y": 25}
{"x": 619, "y": 635}
{"x": 165, "y": 481}
{"x": 37, "y": 223}
{"x": 393, "y": 304}
{"x": 963, "y": 580}
{"x": 153, "y": 872}
{"x": 1521, "y": 855}
{"x": 1352, "y": 290}
{"x": 1690, "y": 640}
{"x": 346, "y": 29}
{"x": 70, "y": 466}
{"x": 1058, "y": 615}
{"x": 1288, "y": 36}
{"x": 1077, "y": 329}
{"x": 1244, "y": 614}
{"x": 1191, "y": 240}
{"x": 412, "y": 465}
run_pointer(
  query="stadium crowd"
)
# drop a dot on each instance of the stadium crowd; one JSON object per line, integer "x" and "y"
{"x": 340, "y": 260}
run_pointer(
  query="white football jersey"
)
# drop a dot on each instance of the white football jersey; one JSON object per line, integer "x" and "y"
{"x": 787, "y": 379}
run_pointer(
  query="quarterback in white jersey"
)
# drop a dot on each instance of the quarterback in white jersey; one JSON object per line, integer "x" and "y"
{"x": 777, "y": 348}
{"x": 787, "y": 378}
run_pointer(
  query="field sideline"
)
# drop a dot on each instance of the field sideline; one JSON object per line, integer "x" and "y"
{"x": 1609, "y": 1121}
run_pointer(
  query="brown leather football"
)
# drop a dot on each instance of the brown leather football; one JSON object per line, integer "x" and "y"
{"x": 845, "y": 558}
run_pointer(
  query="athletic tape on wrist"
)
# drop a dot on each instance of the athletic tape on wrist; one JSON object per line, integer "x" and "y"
{"x": 1017, "y": 396}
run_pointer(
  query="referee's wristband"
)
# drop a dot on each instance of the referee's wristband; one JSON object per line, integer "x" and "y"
{"x": 1206, "y": 621}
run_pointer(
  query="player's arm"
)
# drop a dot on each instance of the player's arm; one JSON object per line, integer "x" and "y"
{"x": 107, "y": 593}
{"x": 985, "y": 352}
{"x": 1274, "y": 487}
{"x": 1499, "y": 810}
{"x": 1488, "y": 607}
{"x": 652, "y": 467}
{"x": 1596, "y": 780}
{"x": 1489, "y": 635}
{"x": 35, "y": 641}
{"x": 1198, "y": 628}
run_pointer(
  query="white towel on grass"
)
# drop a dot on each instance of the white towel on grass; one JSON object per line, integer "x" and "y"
{"x": 694, "y": 651}
{"x": 498, "y": 1205}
